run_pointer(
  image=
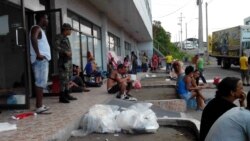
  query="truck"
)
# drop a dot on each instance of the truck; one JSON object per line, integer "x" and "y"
{"x": 229, "y": 44}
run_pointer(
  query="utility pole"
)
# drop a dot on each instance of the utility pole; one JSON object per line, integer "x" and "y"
{"x": 181, "y": 29}
{"x": 186, "y": 36}
{"x": 200, "y": 31}
{"x": 207, "y": 36}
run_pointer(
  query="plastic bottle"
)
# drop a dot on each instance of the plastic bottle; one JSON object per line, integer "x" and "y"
{"x": 24, "y": 115}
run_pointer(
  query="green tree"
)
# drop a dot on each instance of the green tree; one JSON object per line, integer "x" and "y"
{"x": 162, "y": 41}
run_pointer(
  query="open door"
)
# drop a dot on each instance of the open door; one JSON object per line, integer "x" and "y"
{"x": 54, "y": 28}
{"x": 14, "y": 74}
{"x": 15, "y": 69}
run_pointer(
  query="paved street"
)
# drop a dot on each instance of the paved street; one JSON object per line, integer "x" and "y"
{"x": 210, "y": 72}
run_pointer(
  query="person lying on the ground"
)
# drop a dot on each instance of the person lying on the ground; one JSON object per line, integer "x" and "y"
{"x": 228, "y": 90}
{"x": 120, "y": 82}
{"x": 233, "y": 125}
{"x": 191, "y": 92}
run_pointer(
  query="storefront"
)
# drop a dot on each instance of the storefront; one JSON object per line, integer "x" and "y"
{"x": 15, "y": 71}
{"x": 13, "y": 56}
{"x": 100, "y": 26}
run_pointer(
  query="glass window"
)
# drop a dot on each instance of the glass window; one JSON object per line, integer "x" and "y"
{"x": 111, "y": 44}
{"x": 96, "y": 32}
{"x": 88, "y": 40}
{"x": 98, "y": 52}
{"x": 75, "y": 44}
{"x": 86, "y": 27}
{"x": 84, "y": 50}
{"x": 114, "y": 43}
{"x": 119, "y": 49}
{"x": 127, "y": 48}
{"x": 91, "y": 45}
{"x": 4, "y": 22}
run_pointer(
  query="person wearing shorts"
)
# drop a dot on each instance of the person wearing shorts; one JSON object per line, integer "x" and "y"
{"x": 116, "y": 88}
{"x": 40, "y": 56}
{"x": 119, "y": 82}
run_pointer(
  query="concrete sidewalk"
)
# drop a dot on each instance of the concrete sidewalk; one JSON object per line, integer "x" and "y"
{"x": 55, "y": 126}
{"x": 64, "y": 117}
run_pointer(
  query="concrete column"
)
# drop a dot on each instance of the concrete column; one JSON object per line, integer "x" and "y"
{"x": 122, "y": 40}
{"x": 104, "y": 32}
{"x": 200, "y": 31}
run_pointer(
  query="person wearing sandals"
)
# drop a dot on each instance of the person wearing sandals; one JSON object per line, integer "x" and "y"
{"x": 40, "y": 56}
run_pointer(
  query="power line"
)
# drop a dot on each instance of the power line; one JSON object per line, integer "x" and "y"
{"x": 175, "y": 10}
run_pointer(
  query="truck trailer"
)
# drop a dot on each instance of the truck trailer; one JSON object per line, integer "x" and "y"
{"x": 229, "y": 44}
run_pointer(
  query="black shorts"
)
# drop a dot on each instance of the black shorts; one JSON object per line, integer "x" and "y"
{"x": 114, "y": 89}
{"x": 96, "y": 73}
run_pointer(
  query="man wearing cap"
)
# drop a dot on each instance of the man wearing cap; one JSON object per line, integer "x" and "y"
{"x": 64, "y": 62}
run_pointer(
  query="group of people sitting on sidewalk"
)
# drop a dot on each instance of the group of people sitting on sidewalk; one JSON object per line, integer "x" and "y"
{"x": 221, "y": 118}
{"x": 187, "y": 86}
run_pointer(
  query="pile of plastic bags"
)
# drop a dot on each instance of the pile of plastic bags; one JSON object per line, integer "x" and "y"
{"x": 138, "y": 118}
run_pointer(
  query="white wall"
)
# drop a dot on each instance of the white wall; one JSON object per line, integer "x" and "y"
{"x": 87, "y": 11}
{"x": 146, "y": 47}
{"x": 80, "y": 7}
{"x": 141, "y": 6}
{"x": 247, "y": 21}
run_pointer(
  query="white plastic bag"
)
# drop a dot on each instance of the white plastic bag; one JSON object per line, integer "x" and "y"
{"x": 100, "y": 119}
{"x": 138, "y": 118}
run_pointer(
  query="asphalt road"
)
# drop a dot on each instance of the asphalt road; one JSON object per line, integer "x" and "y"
{"x": 210, "y": 72}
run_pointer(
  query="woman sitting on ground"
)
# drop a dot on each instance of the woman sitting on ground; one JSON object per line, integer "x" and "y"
{"x": 91, "y": 70}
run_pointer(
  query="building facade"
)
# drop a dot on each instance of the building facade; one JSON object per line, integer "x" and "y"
{"x": 247, "y": 21}
{"x": 100, "y": 26}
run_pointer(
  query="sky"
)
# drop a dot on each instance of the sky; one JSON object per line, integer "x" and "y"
{"x": 221, "y": 14}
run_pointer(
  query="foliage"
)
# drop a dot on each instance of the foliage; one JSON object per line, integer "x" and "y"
{"x": 163, "y": 43}
{"x": 210, "y": 43}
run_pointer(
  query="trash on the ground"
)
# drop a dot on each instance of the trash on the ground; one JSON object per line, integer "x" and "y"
{"x": 133, "y": 77}
{"x": 137, "y": 84}
{"x": 116, "y": 135}
{"x": 138, "y": 118}
{"x": 23, "y": 115}
{"x": 5, "y": 126}
{"x": 100, "y": 119}
{"x": 216, "y": 80}
{"x": 167, "y": 79}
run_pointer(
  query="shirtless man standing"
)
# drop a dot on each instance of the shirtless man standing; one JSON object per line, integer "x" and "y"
{"x": 120, "y": 82}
